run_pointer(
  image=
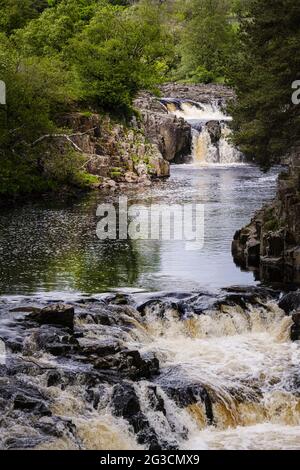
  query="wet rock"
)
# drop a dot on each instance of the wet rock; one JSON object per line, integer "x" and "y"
{"x": 295, "y": 330}
{"x": 55, "y": 426}
{"x": 136, "y": 367}
{"x": 125, "y": 403}
{"x": 290, "y": 302}
{"x": 53, "y": 378}
{"x": 189, "y": 394}
{"x": 20, "y": 443}
{"x": 17, "y": 395}
{"x": 56, "y": 341}
{"x": 214, "y": 130}
{"x": 56, "y": 314}
{"x": 104, "y": 347}
{"x": 269, "y": 245}
{"x": 25, "y": 402}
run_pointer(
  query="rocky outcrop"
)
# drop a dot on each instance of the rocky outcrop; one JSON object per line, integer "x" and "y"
{"x": 270, "y": 244}
{"x": 114, "y": 152}
{"x": 172, "y": 136}
{"x": 199, "y": 93}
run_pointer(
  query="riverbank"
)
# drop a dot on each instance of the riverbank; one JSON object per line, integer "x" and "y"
{"x": 270, "y": 244}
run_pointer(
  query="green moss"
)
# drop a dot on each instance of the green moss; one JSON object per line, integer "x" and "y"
{"x": 272, "y": 225}
{"x": 116, "y": 173}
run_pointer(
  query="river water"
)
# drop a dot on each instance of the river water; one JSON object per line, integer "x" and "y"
{"x": 53, "y": 247}
{"x": 242, "y": 356}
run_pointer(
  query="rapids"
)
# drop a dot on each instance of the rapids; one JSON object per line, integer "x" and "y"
{"x": 228, "y": 377}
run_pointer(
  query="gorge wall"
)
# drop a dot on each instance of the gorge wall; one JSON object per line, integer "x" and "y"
{"x": 114, "y": 152}
{"x": 270, "y": 244}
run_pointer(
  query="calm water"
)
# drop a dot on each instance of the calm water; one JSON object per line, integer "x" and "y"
{"x": 53, "y": 247}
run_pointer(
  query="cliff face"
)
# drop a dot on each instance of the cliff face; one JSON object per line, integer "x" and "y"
{"x": 270, "y": 244}
{"x": 115, "y": 153}
{"x": 171, "y": 135}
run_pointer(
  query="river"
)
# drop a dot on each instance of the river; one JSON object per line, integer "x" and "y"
{"x": 228, "y": 373}
{"x": 48, "y": 246}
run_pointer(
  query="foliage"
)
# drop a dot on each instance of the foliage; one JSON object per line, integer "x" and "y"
{"x": 207, "y": 40}
{"x": 120, "y": 52}
{"x": 53, "y": 54}
{"x": 266, "y": 122}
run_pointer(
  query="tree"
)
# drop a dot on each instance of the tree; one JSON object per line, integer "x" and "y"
{"x": 266, "y": 122}
{"x": 121, "y": 51}
{"x": 15, "y": 13}
{"x": 208, "y": 39}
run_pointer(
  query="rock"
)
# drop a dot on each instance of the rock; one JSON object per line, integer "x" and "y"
{"x": 189, "y": 394}
{"x": 214, "y": 130}
{"x": 25, "y": 402}
{"x": 295, "y": 330}
{"x": 290, "y": 302}
{"x": 56, "y": 314}
{"x": 21, "y": 443}
{"x": 172, "y": 136}
{"x": 125, "y": 403}
{"x": 270, "y": 244}
{"x": 18, "y": 395}
{"x": 136, "y": 367}
{"x": 130, "y": 177}
{"x": 56, "y": 341}
{"x": 105, "y": 347}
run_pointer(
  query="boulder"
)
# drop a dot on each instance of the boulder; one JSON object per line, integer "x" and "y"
{"x": 56, "y": 314}
{"x": 295, "y": 330}
{"x": 290, "y": 302}
{"x": 104, "y": 347}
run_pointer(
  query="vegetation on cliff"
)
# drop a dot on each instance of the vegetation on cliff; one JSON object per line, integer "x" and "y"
{"x": 61, "y": 56}
{"x": 58, "y": 56}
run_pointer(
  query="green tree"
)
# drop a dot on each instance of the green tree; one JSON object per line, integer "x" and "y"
{"x": 15, "y": 13}
{"x": 266, "y": 122}
{"x": 208, "y": 39}
{"x": 121, "y": 51}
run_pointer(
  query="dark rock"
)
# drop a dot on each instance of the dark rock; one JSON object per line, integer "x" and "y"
{"x": 55, "y": 426}
{"x": 20, "y": 443}
{"x": 55, "y": 340}
{"x": 25, "y": 402}
{"x": 295, "y": 330}
{"x": 18, "y": 395}
{"x": 105, "y": 347}
{"x": 214, "y": 130}
{"x": 56, "y": 314}
{"x": 53, "y": 378}
{"x": 189, "y": 394}
{"x": 290, "y": 302}
{"x": 136, "y": 367}
{"x": 125, "y": 403}
{"x": 270, "y": 244}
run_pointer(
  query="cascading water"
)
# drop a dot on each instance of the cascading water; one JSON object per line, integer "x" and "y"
{"x": 228, "y": 377}
{"x": 210, "y": 130}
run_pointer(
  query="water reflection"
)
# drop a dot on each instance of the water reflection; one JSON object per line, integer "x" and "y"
{"x": 46, "y": 246}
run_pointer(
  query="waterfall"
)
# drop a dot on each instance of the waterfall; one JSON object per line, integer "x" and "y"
{"x": 210, "y": 130}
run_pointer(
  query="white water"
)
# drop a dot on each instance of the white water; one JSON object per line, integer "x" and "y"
{"x": 204, "y": 149}
{"x": 246, "y": 361}
{"x": 243, "y": 357}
